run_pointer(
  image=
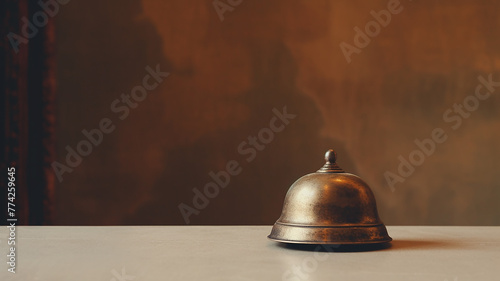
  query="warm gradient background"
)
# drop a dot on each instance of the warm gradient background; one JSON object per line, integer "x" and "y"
{"x": 226, "y": 77}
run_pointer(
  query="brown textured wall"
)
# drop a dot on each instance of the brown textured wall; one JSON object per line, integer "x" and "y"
{"x": 227, "y": 76}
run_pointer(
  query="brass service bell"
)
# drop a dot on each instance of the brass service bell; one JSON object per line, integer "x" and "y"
{"x": 329, "y": 207}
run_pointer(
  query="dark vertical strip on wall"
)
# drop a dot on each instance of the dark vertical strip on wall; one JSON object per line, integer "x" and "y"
{"x": 27, "y": 102}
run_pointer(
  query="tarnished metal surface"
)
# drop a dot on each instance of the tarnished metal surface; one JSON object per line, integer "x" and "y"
{"x": 329, "y": 207}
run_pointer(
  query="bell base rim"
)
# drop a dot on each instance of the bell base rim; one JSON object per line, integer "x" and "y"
{"x": 350, "y": 235}
{"x": 317, "y": 242}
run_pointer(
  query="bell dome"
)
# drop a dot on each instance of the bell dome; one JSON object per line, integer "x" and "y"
{"x": 329, "y": 206}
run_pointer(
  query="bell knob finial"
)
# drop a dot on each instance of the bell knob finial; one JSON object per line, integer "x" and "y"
{"x": 330, "y": 165}
{"x": 330, "y": 156}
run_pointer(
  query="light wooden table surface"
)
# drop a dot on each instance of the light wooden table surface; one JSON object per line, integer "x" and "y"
{"x": 184, "y": 253}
